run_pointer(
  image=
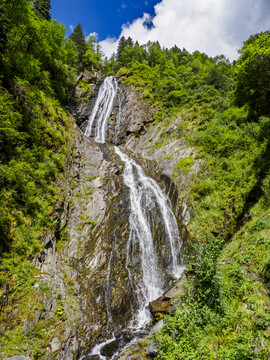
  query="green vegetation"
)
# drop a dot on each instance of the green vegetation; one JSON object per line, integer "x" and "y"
{"x": 225, "y": 118}
{"x": 38, "y": 65}
{"x": 253, "y": 74}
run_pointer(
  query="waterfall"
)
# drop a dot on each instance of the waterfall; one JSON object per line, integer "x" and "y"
{"x": 147, "y": 201}
{"x": 102, "y": 110}
{"x": 145, "y": 196}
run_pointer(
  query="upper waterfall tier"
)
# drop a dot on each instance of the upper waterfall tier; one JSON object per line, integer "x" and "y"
{"x": 97, "y": 122}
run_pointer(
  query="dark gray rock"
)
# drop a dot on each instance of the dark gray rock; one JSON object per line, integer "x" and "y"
{"x": 111, "y": 348}
{"x": 152, "y": 349}
{"x": 91, "y": 357}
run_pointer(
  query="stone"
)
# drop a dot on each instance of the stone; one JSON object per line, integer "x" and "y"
{"x": 110, "y": 348}
{"x": 152, "y": 349}
{"x": 50, "y": 315}
{"x": 177, "y": 289}
{"x": 161, "y": 305}
{"x": 53, "y": 305}
{"x": 67, "y": 333}
{"x": 55, "y": 344}
{"x": 37, "y": 317}
{"x": 157, "y": 327}
{"x": 26, "y": 326}
{"x": 91, "y": 357}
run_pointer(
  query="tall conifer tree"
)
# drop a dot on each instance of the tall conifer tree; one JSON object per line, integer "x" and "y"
{"x": 42, "y": 9}
{"x": 120, "y": 47}
{"x": 78, "y": 38}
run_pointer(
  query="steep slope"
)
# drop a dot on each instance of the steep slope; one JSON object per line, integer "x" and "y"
{"x": 65, "y": 208}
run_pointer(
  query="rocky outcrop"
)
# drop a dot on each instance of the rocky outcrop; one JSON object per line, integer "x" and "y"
{"x": 168, "y": 301}
{"x": 87, "y": 273}
{"x": 83, "y": 95}
{"x": 131, "y": 125}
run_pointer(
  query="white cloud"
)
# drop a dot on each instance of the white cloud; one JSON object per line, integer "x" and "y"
{"x": 71, "y": 28}
{"x": 95, "y": 34}
{"x": 109, "y": 46}
{"x": 211, "y": 26}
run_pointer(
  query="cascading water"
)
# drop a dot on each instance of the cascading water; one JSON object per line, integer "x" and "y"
{"x": 150, "y": 278}
{"x": 146, "y": 195}
{"x": 102, "y": 110}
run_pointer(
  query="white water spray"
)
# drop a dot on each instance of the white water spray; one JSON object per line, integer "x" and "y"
{"x": 102, "y": 110}
{"x": 145, "y": 196}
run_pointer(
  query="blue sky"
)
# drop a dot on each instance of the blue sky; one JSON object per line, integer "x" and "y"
{"x": 214, "y": 27}
{"x": 104, "y": 17}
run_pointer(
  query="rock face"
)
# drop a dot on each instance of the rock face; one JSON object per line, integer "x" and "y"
{"x": 87, "y": 273}
{"x": 83, "y": 95}
{"x": 131, "y": 125}
{"x": 105, "y": 296}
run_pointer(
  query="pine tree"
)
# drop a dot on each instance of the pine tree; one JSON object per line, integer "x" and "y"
{"x": 129, "y": 42}
{"x": 42, "y": 9}
{"x": 79, "y": 40}
{"x": 120, "y": 47}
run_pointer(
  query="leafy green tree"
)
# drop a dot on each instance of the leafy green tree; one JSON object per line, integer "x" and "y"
{"x": 4, "y": 21}
{"x": 253, "y": 74}
{"x": 42, "y": 9}
{"x": 92, "y": 60}
{"x": 216, "y": 79}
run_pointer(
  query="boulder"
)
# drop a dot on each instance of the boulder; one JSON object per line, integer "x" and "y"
{"x": 55, "y": 344}
{"x": 111, "y": 348}
{"x": 161, "y": 305}
{"x": 177, "y": 289}
{"x": 157, "y": 327}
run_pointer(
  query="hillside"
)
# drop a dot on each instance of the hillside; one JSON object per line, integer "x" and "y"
{"x": 199, "y": 126}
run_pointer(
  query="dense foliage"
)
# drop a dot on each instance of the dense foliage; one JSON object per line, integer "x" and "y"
{"x": 253, "y": 74}
{"x": 38, "y": 65}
